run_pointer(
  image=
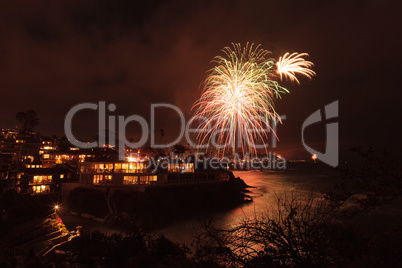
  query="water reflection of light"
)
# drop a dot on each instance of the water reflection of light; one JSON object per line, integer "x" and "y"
{"x": 269, "y": 185}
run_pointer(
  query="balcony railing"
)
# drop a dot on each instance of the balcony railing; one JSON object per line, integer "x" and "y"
{"x": 109, "y": 171}
{"x": 42, "y": 182}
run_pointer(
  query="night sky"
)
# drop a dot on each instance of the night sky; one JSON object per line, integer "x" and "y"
{"x": 56, "y": 54}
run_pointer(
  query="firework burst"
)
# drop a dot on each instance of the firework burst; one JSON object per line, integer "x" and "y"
{"x": 291, "y": 64}
{"x": 237, "y": 104}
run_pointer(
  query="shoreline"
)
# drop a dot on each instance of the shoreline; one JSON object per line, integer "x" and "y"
{"x": 161, "y": 206}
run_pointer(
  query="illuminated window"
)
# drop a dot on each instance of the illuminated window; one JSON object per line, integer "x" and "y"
{"x": 97, "y": 179}
{"x": 109, "y": 166}
{"x": 37, "y": 179}
{"x": 135, "y": 167}
{"x": 130, "y": 180}
{"x": 117, "y": 166}
{"x": 42, "y": 179}
{"x": 61, "y": 176}
{"x": 40, "y": 188}
{"x": 103, "y": 167}
{"x": 153, "y": 178}
{"x": 143, "y": 179}
{"x": 99, "y": 166}
{"x": 46, "y": 156}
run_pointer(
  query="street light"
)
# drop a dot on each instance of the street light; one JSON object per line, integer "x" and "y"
{"x": 314, "y": 157}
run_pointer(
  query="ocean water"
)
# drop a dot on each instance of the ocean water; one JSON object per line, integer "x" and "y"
{"x": 267, "y": 186}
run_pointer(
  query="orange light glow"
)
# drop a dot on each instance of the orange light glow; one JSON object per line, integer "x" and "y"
{"x": 314, "y": 157}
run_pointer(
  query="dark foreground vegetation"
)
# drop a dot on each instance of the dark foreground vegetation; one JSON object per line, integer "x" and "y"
{"x": 18, "y": 208}
{"x": 297, "y": 234}
{"x": 300, "y": 234}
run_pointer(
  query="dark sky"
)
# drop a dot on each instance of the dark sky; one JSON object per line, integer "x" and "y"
{"x": 56, "y": 54}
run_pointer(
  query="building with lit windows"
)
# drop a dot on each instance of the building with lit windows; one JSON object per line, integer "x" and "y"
{"x": 118, "y": 174}
{"x": 45, "y": 180}
{"x": 47, "y": 147}
{"x": 21, "y": 146}
{"x": 139, "y": 175}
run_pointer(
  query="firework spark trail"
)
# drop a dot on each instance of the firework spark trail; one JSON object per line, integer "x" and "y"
{"x": 291, "y": 64}
{"x": 238, "y": 97}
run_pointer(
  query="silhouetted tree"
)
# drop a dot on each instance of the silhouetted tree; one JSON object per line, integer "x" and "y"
{"x": 179, "y": 149}
{"x": 148, "y": 151}
{"x": 28, "y": 120}
{"x": 294, "y": 235}
{"x": 62, "y": 144}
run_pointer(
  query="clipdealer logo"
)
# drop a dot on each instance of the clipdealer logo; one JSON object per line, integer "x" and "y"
{"x": 331, "y": 155}
{"x": 121, "y": 126}
{"x": 120, "y": 122}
